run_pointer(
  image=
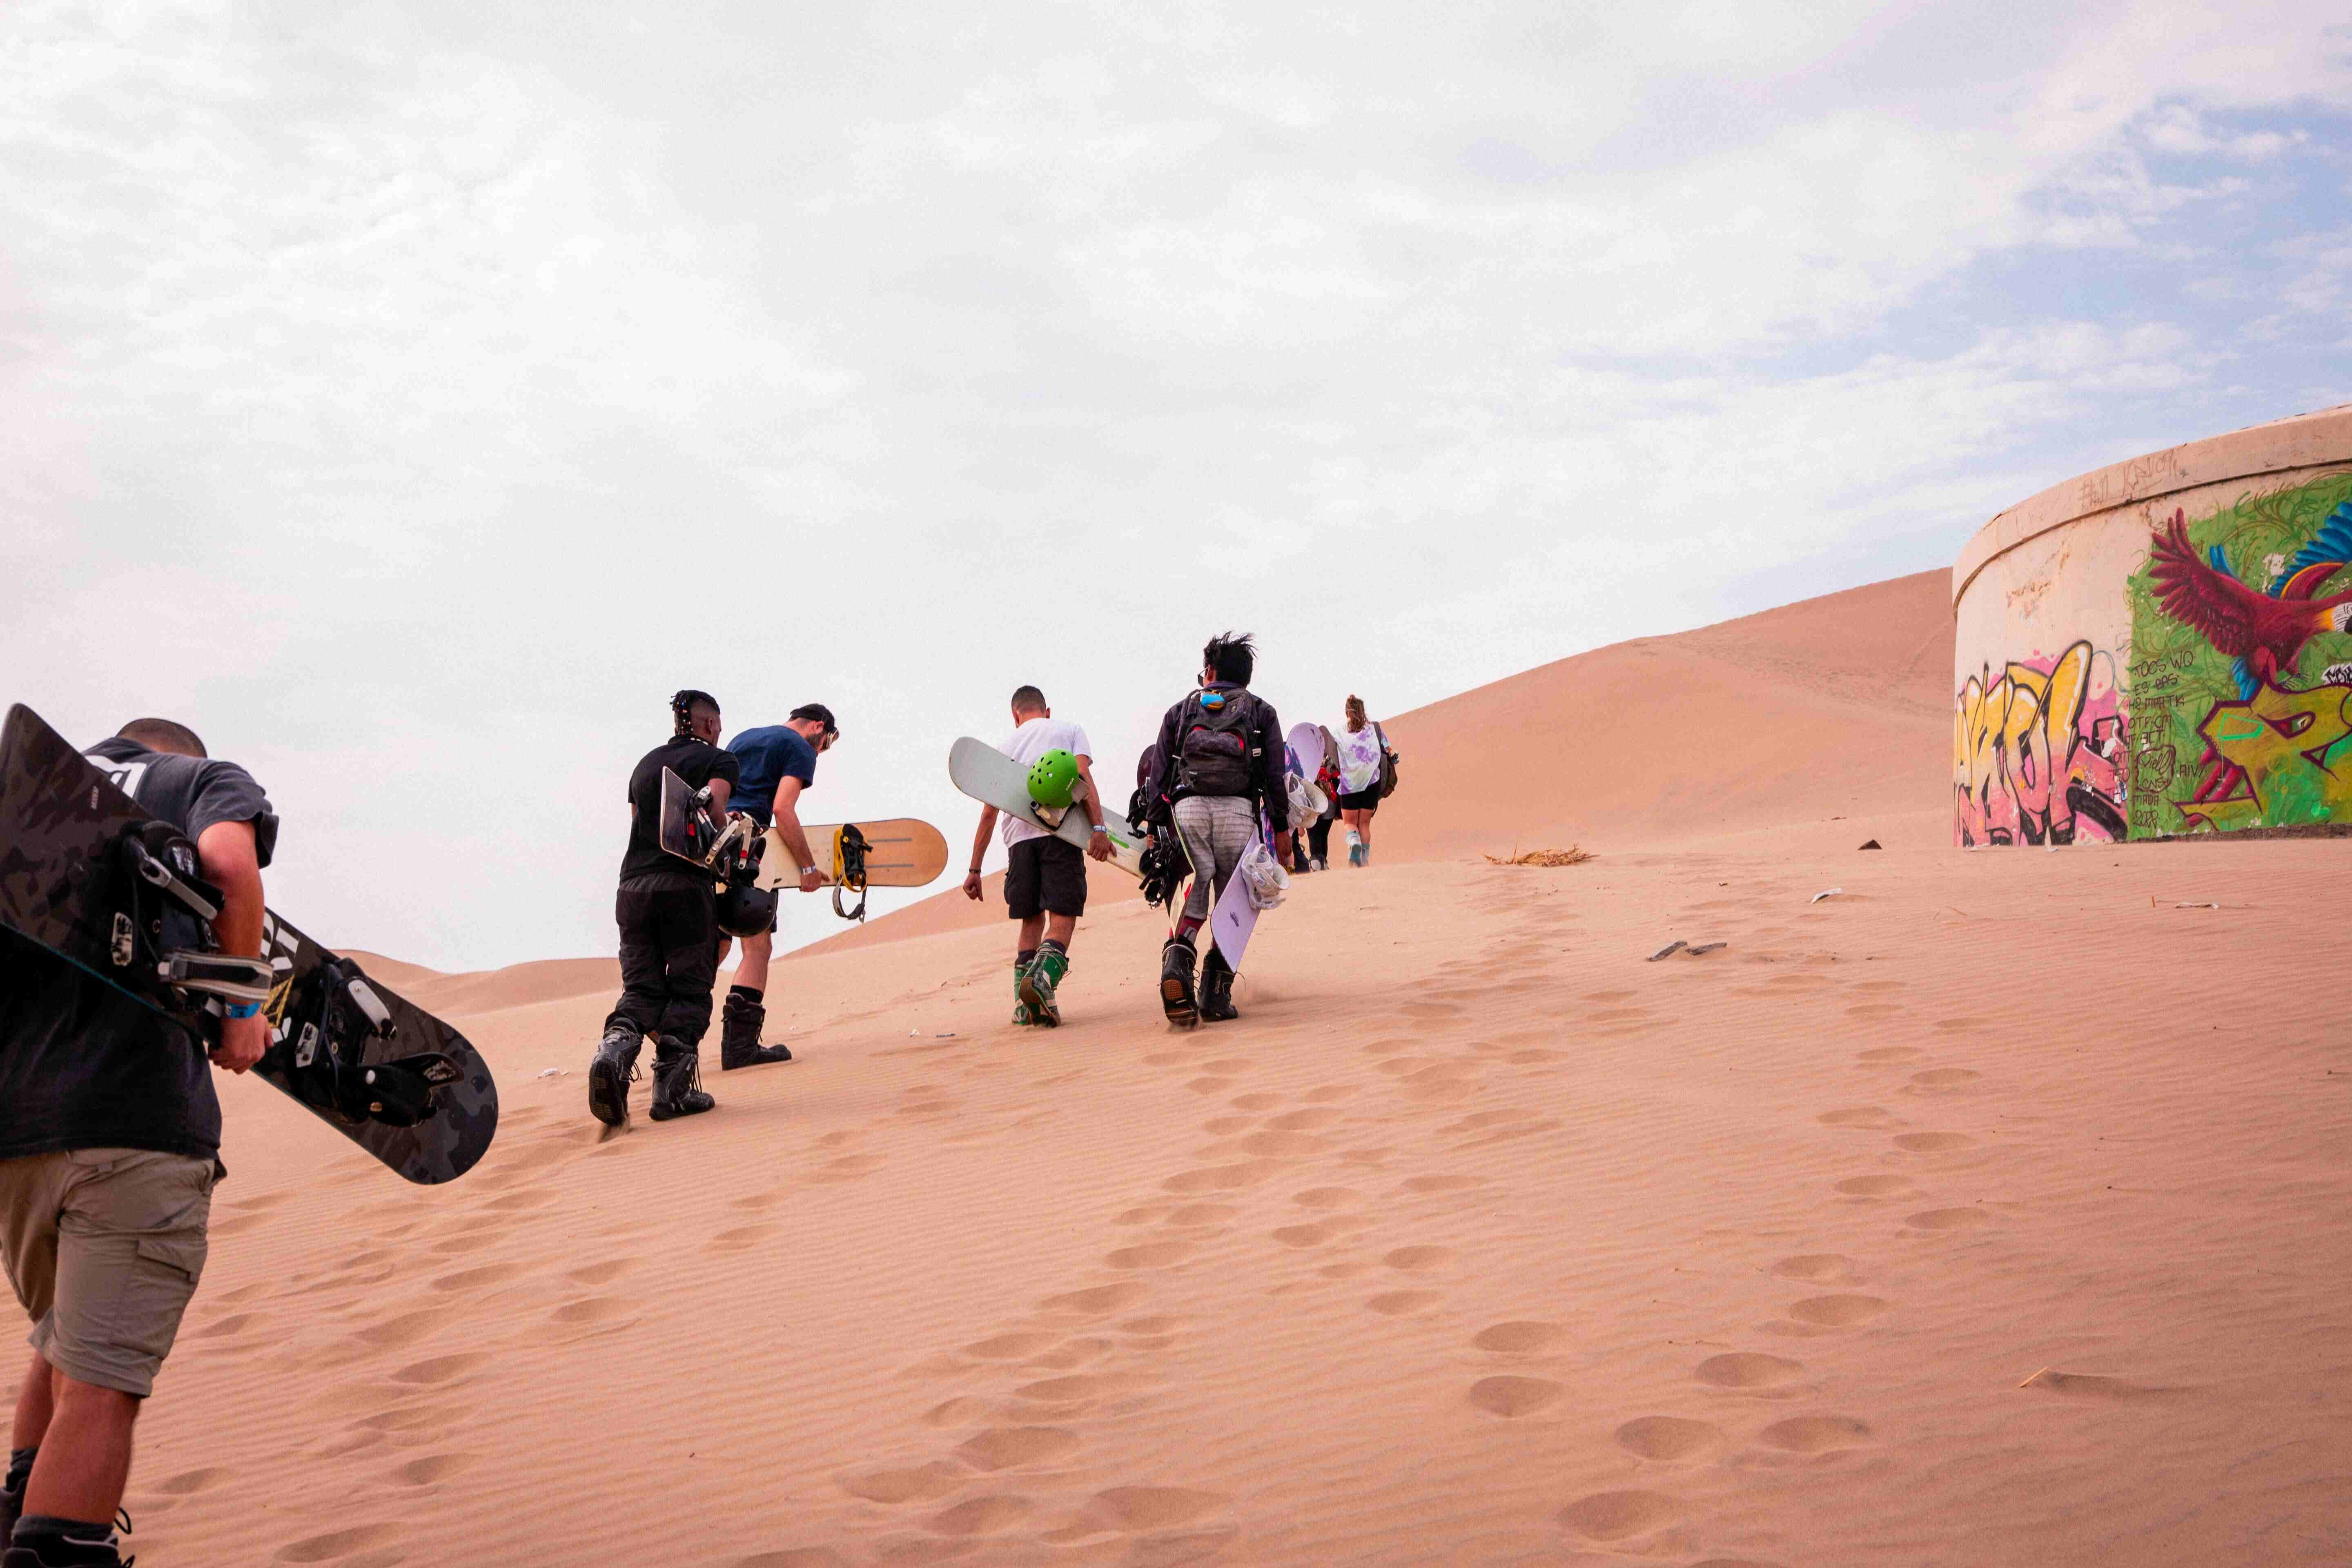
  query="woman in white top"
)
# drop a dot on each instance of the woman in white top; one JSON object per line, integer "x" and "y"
{"x": 1362, "y": 747}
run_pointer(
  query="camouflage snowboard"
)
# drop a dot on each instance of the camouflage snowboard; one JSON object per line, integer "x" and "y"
{"x": 88, "y": 875}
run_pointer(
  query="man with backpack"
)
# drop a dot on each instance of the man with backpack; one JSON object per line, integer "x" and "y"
{"x": 1221, "y": 772}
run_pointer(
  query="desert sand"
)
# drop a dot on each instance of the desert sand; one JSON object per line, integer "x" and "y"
{"x": 1990, "y": 1210}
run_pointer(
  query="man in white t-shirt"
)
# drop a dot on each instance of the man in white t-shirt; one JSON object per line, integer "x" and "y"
{"x": 1044, "y": 875}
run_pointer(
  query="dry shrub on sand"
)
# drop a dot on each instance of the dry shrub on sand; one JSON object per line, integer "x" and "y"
{"x": 1571, "y": 856}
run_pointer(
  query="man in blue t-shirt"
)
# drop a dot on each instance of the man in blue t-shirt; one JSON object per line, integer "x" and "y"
{"x": 779, "y": 761}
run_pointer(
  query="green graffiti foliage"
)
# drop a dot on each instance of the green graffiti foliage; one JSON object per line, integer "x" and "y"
{"x": 2185, "y": 699}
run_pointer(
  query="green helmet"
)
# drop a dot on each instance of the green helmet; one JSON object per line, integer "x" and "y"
{"x": 1052, "y": 778}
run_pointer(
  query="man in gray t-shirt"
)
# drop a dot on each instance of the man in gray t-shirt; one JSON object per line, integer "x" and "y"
{"x": 109, "y": 1149}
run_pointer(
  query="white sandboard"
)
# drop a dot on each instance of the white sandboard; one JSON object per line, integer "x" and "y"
{"x": 990, "y": 778}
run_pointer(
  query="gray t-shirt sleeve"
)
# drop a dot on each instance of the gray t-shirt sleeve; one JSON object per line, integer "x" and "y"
{"x": 227, "y": 793}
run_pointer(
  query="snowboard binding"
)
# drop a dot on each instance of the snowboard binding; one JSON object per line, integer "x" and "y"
{"x": 334, "y": 1018}
{"x": 162, "y": 927}
{"x": 849, "y": 848}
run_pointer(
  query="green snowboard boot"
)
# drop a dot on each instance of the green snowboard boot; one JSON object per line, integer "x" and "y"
{"x": 1020, "y": 1013}
{"x": 1037, "y": 983}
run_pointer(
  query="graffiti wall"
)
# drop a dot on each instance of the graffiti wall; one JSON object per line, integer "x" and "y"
{"x": 2240, "y": 665}
{"x": 2038, "y": 752}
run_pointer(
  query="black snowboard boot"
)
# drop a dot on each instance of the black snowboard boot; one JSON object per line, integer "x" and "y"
{"x": 677, "y": 1082}
{"x": 1216, "y": 989}
{"x": 610, "y": 1075}
{"x": 1176, "y": 984}
{"x": 740, "y": 1019}
{"x": 41, "y": 1542}
{"x": 12, "y": 1490}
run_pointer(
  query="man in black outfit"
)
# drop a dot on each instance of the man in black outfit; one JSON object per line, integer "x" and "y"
{"x": 669, "y": 931}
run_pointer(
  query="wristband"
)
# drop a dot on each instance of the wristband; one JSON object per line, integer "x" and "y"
{"x": 1098, "y": 828}
{"x": 243, "y": 1009}
{"x": 975, "y": 870}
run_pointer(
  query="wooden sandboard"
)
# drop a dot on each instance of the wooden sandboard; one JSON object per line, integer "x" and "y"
{"x": 901, "y": 852}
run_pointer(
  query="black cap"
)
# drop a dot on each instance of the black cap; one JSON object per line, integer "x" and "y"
{"x": 819, "y": 713}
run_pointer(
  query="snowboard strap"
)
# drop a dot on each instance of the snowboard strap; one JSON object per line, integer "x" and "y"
{"x": 337, "y": 1016}
{"x": 849, "y": 848}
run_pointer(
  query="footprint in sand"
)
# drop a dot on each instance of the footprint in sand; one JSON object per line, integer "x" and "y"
{"x": 434, "y": 1468}
{"x": 1671, "y": 1440}
{"x": 1818, "y": 1268}
{"x": 1746, "y": 1370}
{"x": 1098, "y": 1301}
{"x": 1137, "y": 1509}
{"x": 1068, "y": 1390}
{"x": 1932, "y": 1142}
{"x": 1302, "y": 1120}
{"x": 590, "y": 1310}
{"x": 598, "y": 1273}
{"x": 1961, "y": 1025}
{"x": 1328, "y": 1198}
{"x": 1006, "y": 1448}
{"x": 440, "y": 1368}
{"x": 1151, "y": 1255}
{"x": 1815, "y": 1433}
{"x": 1948, "y": 1219}
{"x": 1514, "y": 1396}
{"x": 1075, "y": 1352}
{"x": 1400, "y": 1303}
{"x": 1620, "y": 1516}
{"x": 1329, "y": 1092}
{"x": 1936, "y": 1080}
{"x": 1305, "y": 1234}
{"x": 1194, "y": 1216}
{"x": 798, "y": 1557}
{"x": 188, "y": 1481}
{"x": 1417, "y": 1260}
{"x": 1226, "y": 1126}
{"x": 1872, "y": 1118}
{"x": 1876, "y": 1187}
{"x": 1889, "y": 1053}
{"x": 1441, "y": 1183}
{"x": 230, "y": 1327}
{"x": 1209, "y": 1085}
{"x": 1520, "y": 1338}
{"x": 1255, "y": 1102}
{"x": 982, "y": 1515}
{"x": 919, "y": 1485}
{"x": 337, "y": 1543}
{"x": 737, "y": 1238}
{"x": 1222, "y": 1178}
{"x": 1837, "y": 1312}
{"x": 1012, "y": 1347}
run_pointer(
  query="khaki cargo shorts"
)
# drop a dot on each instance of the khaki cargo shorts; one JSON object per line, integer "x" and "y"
{"x": 104, "y": 1248}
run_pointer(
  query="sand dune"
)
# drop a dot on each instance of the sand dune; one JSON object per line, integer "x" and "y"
{"x": 1917, "y": 1224}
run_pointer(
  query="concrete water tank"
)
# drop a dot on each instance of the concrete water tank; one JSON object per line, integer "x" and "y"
{"x": 2161, "y": 646}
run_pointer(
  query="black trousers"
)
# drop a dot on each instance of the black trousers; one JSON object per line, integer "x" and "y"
{"x": 669, "y": 960}
{"x": 1318, "y": 837}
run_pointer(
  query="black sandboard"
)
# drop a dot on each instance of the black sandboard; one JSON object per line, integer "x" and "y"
{"x": 62, "y": 825}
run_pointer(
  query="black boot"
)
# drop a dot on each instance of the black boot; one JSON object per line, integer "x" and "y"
{"x": 610, "y": 1075}
{"x": 41, "y": 1542}
{"x": 740, "y": 1019}
{"x": 1216, "y": 989}
{"x": 677, "y": 1082}
{"x": 1176, "y": 984}
{"x": 12, "y": 1490}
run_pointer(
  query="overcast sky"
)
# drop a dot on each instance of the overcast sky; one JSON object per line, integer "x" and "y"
{"x": 409, "y": 398}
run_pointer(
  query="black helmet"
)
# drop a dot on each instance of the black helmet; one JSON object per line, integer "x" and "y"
{"x": 746, "y": 910}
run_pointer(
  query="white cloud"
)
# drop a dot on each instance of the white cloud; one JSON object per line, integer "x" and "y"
{"x": 417, "y": 403}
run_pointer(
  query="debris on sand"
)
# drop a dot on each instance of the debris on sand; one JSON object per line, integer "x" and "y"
{"x": 1571, "y": 856}
{"x": 1668, "y": 950}
{"x": 1871, "y": 844}
{"x": 1707, "y": 947}
{"x": 1824, "y": 893}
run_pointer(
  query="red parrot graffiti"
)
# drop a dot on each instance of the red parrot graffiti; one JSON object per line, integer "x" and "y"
{"x": 2263, "y": 633}
{"x": 2267, "y": 633}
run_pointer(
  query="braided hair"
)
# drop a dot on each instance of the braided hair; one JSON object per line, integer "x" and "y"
{"x": 682, "y": 706}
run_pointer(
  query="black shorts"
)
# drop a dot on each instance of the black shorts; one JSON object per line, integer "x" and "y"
{"x": 1045, "y": 875}
{"x": 1363, "y": 800}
